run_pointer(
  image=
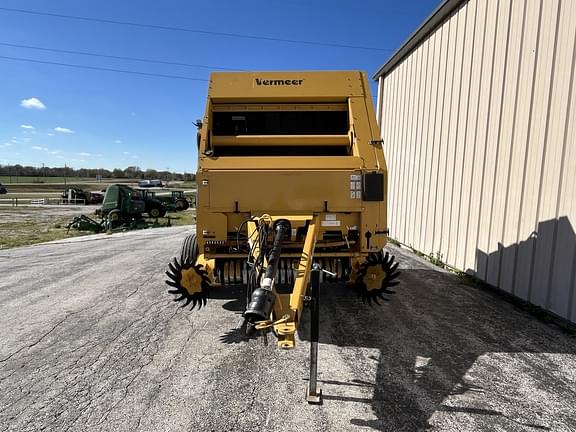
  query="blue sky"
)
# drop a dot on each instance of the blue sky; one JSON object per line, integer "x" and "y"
{"x": 56, "y": 115}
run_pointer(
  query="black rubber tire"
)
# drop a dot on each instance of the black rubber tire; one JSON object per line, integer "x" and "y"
{"x": 155, "y": 212}
{"x": 114, "y": 219}
{"x": 181, "y": 204}
{"x": 114, "y": 216}
{"x": 189, "y": 251}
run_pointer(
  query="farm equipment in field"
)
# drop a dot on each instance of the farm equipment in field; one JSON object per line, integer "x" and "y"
{"x": 291, "y": 191}
{"x": 122, "y": 204}
{"x": 152, "y": 205}
{"x": 74, "y": 195}
{"x": 85, "y": 223}
{"x": 175, "y": 201}
{"x": 172, "y": 201}
{"x": 122, "y": 208}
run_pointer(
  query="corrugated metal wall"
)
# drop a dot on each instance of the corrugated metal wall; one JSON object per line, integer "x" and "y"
{"x": 479, "y": 128}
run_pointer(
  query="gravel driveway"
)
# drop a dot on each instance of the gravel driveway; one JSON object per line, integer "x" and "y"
{"x": 91, "y": 341}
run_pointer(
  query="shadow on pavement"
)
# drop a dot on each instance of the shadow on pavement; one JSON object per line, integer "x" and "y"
{"x": 446, "y": 348}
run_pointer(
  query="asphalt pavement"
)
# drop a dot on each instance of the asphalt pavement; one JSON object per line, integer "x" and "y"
{"x": 91, "y": 341}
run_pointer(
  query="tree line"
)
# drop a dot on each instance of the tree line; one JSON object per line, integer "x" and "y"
{"x": 132, "y": 172}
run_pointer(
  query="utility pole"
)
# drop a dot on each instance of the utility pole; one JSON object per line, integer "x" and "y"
{"x": 65, "y": 172}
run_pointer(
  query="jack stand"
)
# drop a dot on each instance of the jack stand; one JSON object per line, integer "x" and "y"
{"x": 313, "y": 394}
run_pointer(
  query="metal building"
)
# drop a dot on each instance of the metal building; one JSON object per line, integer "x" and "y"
{"x": 477, "y": 113}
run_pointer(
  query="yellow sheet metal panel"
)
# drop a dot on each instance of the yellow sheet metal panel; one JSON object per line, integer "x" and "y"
{"x": 287, "y": 86}
{"x": 283, "y": 162}
{"x": 281, "y": 191}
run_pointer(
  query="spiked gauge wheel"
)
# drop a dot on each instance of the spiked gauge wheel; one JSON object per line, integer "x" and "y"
{"x": 190, "y": 283}
{"x": 375, "y": 276}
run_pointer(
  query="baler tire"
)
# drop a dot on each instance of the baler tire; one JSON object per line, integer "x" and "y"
{"x": 189, "y": 251}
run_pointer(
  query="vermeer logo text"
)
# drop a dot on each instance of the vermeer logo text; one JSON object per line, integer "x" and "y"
{"x": 281, "y": 82}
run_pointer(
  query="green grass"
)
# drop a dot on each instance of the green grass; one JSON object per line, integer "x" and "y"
{"x": 187, "y": 217}
{"x": 38, "y": 180}
{"x": 6, "y": 180}
{"x": 26, "y": 233}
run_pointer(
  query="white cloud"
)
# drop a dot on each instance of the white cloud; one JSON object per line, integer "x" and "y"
{"x": 134, "y": 157}
{"x": 27, "y": 126}
{"x": 33, "y": 103}
{"x": 84, "y": 154}
{"x": 55, "y": 152}
{"x": 50, "y": 134}
{"x": 39, "y": 148}
{"x": 118, "y": 141}
{"x": 126, "y": 153}
{"x": 63, "y": 130}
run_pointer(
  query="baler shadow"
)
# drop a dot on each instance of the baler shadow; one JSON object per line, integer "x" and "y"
{"x": 426, "y": 342}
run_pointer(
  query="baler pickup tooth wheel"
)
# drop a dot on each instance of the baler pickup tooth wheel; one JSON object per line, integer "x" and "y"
{"x": 189, "y": 281}
{"x": 376, "y": 276}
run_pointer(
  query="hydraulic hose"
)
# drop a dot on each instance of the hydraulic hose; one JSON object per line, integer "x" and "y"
{"x": 263, "y": 298}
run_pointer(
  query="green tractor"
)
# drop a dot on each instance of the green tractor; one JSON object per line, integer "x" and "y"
{"x": 153, "y": 206}
{"x": 176, "y": 201}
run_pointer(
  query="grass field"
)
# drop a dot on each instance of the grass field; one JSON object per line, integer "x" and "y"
{"x": 7, "y": 180}
{"x": 21, "y": 226}
{"x": 25, "y": 224}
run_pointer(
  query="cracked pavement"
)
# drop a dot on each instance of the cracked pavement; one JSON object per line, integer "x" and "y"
{"x": 91, "y": 341}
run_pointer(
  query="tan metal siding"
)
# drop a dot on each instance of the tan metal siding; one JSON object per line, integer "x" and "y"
{"x": 479, "y": 124}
